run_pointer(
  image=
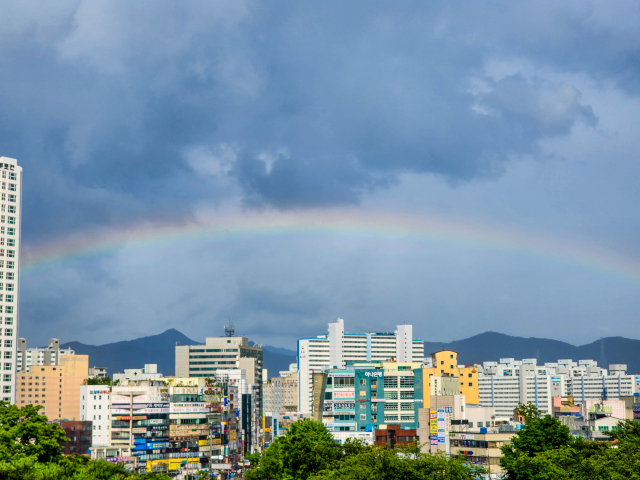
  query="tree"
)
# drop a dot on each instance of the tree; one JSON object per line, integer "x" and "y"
{"x": 26, "y": 433}
{"x": 306, "y": 448}
{"x": 98, "y": 381}
{"x": 540, "y": 434}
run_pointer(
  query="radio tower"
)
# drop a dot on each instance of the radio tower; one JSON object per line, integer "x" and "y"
{"x": 230, "y": 331}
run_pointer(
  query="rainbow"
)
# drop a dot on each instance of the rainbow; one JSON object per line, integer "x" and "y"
{"x": 316, "y": 223}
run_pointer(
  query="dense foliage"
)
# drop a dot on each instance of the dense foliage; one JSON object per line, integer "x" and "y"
{"x": 308, "y": 452}
{"x": 30, "y": 449}
{"x": 545, "y": 450}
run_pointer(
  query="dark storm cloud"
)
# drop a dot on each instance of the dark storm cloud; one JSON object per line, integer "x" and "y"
{"x": 100, "y": 101}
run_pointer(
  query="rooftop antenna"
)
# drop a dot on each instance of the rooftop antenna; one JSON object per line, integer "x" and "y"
{"x": 230, "y": 331}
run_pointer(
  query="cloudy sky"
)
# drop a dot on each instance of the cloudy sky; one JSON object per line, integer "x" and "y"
{"x": 462, "y": 168}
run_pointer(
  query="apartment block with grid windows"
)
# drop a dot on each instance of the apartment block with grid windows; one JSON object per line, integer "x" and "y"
{"x": 335, "y": 348}
{"x": 10, "y": 214}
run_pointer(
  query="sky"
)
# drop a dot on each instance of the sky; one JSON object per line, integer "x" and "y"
{"x": 462, "y": 167}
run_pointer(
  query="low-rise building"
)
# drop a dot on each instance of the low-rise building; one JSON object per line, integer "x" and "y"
{"x": 149, "y": 372}
{"x": 79, "y": 435}
{"x": 395, "y": 435}
{"x": 480, "y": 448}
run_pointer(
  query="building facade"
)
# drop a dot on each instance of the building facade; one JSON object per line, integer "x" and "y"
{"x": 10, "y": 235}
{"x": 365, "y": 397}
{"x": 79, "y": 435}
{"x": 221, "y": 353}
{"x": 50, "y": 355}
{"x": 507, "y": 383}
{"x": 95, "y": 407}
{"x": 335, "y": 348}
{"x": 55, "y": 388}
{"x": 445, "y": 364}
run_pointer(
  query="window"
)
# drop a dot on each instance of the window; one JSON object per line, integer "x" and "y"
{"x": 8, "y": 309}
{"x": 6, "y": 377}
{"x": 12, "y": 176}
{"x": 12, "y": 187}
{"x": 11, "y": 242}
{"x": 8, "y": 332}
{"x": 363, "y": 416}
{"x": 10, "y": 275}
{"x": 10, "y": 264}
{"x": 363, "y": 382}
{"x": 470, "y": 384}
{"x": 7, "y": 366}
{"x": 9, "y": 287}
{"x": 12, "y": 209}
{"x": 7, "y": 389}
{"x": 12, "y": 220}
{"x": 442, "y": 362}
{"x": 406, "y": 406}
{"x": 12, "y": 198}
{"x": 390, "y": 395}
{"x": 9, "y": 298}
{"x": 451, "y": 356}
{"x": 480, "y": 424}
{"x": 470, "y": 375}
{"x": 470, "y": 424}
{"x": 8, "y": 344}
{"x": 390, "y": 382}
{"x": 11, "y": 253}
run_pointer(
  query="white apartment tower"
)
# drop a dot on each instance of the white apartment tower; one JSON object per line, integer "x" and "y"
{"x": 10, "y": 212}
{"x": 336, "y": 348}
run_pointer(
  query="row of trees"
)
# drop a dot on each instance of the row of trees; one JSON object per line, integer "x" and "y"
{"x": 543, "y": 450}
{"x": 31, "y": 449}
{"x": 546, "y": 450}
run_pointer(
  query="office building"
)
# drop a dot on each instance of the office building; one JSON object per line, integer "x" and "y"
{"x": 505, "y": 384}
{"x": 50, "y": 355}
{"x": 94, "y": 407}
{"x": 368, "y": 396}
{"x": 221, "y": 353}
{"x": 55, "y": 388}
{"x": 10, "y": 235}
{"x": 335, "y": 348}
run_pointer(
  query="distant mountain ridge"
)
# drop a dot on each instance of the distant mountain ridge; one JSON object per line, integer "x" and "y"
{"x": 160, "y": 349}
{"x": 492, "y": 346}
{"x": 488, "y": 346}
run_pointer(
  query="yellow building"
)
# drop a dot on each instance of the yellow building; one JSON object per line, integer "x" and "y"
{"x": 55, "y": 388}
{"x": 445, "y": 364}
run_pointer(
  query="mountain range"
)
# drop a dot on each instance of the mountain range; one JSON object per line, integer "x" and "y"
{"x": 488, "y": 346}
{"x": 160, "y": 349}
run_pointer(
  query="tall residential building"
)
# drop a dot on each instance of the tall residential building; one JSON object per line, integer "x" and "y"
{"x": 505, "y": 384}
{"x": 221, "y": 353}
{"x": 50, "y": 355}
{"x": 55, "y": 388}
{"x": 10, "y": 214}
{"x": 335, "y": 348}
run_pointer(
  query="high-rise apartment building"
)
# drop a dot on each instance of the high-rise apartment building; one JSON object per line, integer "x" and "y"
{"x": 443, "y": 364}
{"x": 10, "y": 214}
{"x": 505, "y": 384}
{"x": 50, "y": 355}
{"x": 335, "y": 348}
